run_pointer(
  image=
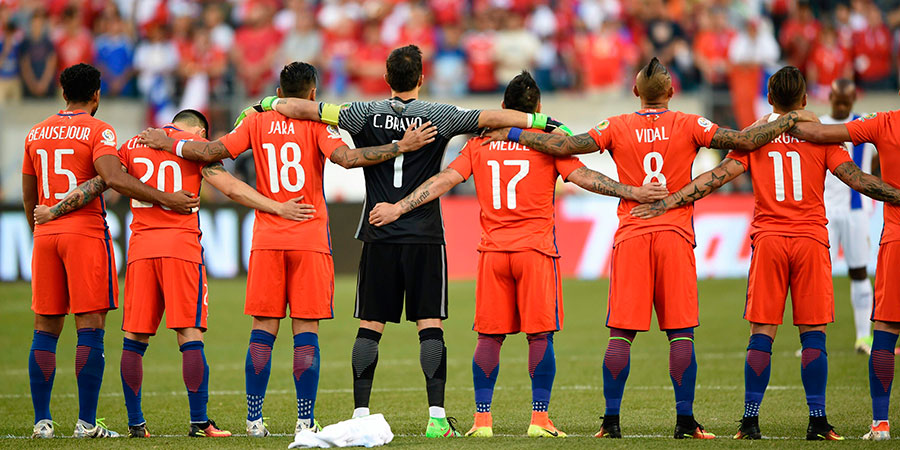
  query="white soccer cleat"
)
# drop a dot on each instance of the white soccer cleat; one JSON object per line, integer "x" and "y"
{"x": 307, "y": 424}
{"x": 256, "y": 428}
{"x": 863, "y": 345}
{"x": 879, "y": 431}
{"x": 99, "y": 430}
{"x": 43, "y": 429}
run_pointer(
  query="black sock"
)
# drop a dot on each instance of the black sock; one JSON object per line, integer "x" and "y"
{"x": 364, "y": 360}
{"x": 433, "y": 358}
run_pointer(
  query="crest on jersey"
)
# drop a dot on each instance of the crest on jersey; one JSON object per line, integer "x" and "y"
{"x": 109, "y": 138}
{"x": 602, "y": 126}
{"x": 868, "y": 116}
{"x": 705, "y": 123}
{"x": 333, "y": 132}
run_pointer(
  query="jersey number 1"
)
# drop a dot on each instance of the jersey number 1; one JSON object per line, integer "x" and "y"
{"x": 779, "y": 175}
{"x": 511, "y": 187}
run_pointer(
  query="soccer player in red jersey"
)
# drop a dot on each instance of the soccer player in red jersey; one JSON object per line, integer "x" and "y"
{"x": 73, "y": 270}
{"x": 653, "y": 261}
{"x": 166, "y": 271}
{"x": 790, "y": 248}
{"x": 883, "y": 130}
{"x": 518, "y": 286}
{"x": 290, "y": 262}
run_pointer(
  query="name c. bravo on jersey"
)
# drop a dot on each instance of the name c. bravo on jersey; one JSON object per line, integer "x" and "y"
{"x": 396, "y": 123}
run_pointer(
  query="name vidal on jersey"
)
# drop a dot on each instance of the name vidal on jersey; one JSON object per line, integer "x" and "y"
{"x": 60, "y": 132}
{"x": 281, "y": 127}
{"x": 389, "y": 122}
{"x": 648, "y": 135}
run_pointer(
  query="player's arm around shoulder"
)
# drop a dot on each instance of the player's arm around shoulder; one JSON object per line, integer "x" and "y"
{"x": 550, "y": 143}
{"x": 434, "y": 187}
{"x": 756, "y": 136}
{"x": 240, "y": 192}
{"x": 82, "y": 195}
{"x": 598, "y": 183}
{"x": 413, "y": 139}
{"x": 705, "y": 184}
{"x": 865, "y": 183}
{"x": 193, "y": 150}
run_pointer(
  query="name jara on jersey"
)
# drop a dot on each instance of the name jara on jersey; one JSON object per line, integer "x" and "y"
{"x": 390, "y": 122}
{"x": 648, "y": 135}
{"x": 281, "y": 127}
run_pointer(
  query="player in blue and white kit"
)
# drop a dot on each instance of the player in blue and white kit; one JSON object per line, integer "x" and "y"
{"x": 848, "y": 215}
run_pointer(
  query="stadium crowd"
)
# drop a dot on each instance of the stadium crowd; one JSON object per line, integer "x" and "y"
{"x": 195, "y": 51}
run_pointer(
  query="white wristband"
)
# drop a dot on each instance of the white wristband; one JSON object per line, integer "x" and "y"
{"x": 275, "y": 103}
{"x": 530, "y": 119}
{"x": 178, "y": 148}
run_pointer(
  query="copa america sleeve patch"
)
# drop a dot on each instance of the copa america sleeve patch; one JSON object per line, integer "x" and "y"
{"x": 601, "y": 126}
{"x": 705, "y": 123}
{"x": 333, "y": 132}
{"x": 868, "y": 116}
{"x": 109, "y": 137}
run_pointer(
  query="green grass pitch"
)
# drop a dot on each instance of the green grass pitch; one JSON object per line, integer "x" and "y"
{"x": 647, "y": 412}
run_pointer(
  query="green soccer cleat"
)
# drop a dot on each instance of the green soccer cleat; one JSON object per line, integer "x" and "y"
{"x": 305, "y": 424}
{"x": 207, "y": 429}
{"x": 444, "y": 427}
{"x": 749, "y": 429}
{"x": 820, "y": 430}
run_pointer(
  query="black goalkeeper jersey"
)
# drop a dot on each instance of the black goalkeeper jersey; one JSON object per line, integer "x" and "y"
{"x": 382, "y": 122}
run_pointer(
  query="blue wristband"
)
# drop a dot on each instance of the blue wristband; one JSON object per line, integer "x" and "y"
{"x": 514, "y": 134}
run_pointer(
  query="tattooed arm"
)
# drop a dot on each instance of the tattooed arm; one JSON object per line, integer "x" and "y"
{"x": 216, "y": 175}
{"x": 867, "y": 184}
{"x": 192, "y": 150}
{"x": 700, "y": 187}
{"x": 82, "y": 195}
{"x": 755, "y": 137}
{"x": 434, "y": 187}
{"x": 551, "y": 144}
{"x": 596, "y": 182}
{"x": 413, "y": 139}
{"x": 821, "y": 133}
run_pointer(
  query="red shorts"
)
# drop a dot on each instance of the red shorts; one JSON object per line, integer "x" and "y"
{"x": 171, "y": 285}
{"x": 518, "y": 291}
{"x": 302, "y": 279}
{"x": 887, "y": 288}
{"x": 653, "y": 270}
{"x": 800, "y": 263}
{"x": 73, "y": 273}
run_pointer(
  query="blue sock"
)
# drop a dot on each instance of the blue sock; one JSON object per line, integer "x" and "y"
{"x": 306, "y": 373}
{"x": 757, "y": 368}
{"x": 616, "y": 365}
{"x": 89, "y": 365}
{"x": 41, "y": 372}
{"x": 196, "y": 379}
{"x": 881, "y": 373}
{"x": 256, "y": 371}
{"x": 542, "y": 368}
{"x": 131, "y": 370}
{"x": 485, "y": 368}
{"x": 683, "y": 369}
{"x": 814, "y": 371}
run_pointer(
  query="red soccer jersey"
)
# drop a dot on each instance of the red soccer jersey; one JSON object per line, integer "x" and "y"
{"x": 61, "y": 152}
{"x": 515, "y": 187}
{"x": 788, "y": 185}
{"x": 654, "y": 145}
{"x": 289, "y": 155}
{"x": 883, "y": 130}
{"x": 156, "y": 231}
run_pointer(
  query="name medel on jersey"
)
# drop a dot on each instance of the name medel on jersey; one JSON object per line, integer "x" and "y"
{"x": 385, "y": 121}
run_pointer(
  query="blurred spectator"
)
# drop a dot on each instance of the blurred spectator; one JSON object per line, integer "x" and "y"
{"x": 543, "y": 24}
{"x": 202, "y": 70}
{"x": 221, "y": 33}
{"x": 10, "y": 43}
{"x": 74, "y": 43}
{"x": 181, "y": 34}
{"x": 447, "y": 12}
{"x": 303, "y": 42}
{"x": 605, "y": 57}
{"x": 255, "y": 50}
{"x": 339, "y": 43}
{"x": 114, "y": 57}
{"x": 369, "y": 58}
{"x": 750, "y": 52}
{"x": 156, "y": 60}
{"x": 829, "y": 62}
{"x": 515, "y": 49}
{"x": 711, "y": 46}
{"x": 842, "y": 26}
{"x": 419, "y": 30}
{"x": 665, "y": 39}
{"x": 872, "y": 52}
{"x": 450, "y": 78}
{"x": 798, "y": 35}
{"x": 479, "y": 46}
{"x": 38, "y": 60}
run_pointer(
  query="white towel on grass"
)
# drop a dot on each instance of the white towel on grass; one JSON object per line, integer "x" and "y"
{"x": 368, "y": 431}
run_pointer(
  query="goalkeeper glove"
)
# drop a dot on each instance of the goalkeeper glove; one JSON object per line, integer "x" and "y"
{"x": 553, "y": 124}
{"x": 266, "y": 104}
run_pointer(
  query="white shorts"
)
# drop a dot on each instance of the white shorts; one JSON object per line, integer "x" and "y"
{"x": 850, "y": 231}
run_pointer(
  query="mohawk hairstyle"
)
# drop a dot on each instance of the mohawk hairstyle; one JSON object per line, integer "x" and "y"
{"x": 653, "y": 81}
{"x": 655, "y": 67}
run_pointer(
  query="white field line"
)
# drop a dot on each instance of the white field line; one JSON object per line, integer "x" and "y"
{"x": 627, "y": 436}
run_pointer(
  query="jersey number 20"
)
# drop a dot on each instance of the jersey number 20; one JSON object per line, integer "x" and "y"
{"x": 511, "y": 187}
{"x": 160, "y": 178}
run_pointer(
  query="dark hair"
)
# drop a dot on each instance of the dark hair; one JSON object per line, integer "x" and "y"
{"x": 297, "y": 79}
{"x": 522, "y": 93}
{"x": 404, "y": 68}
{"x": 192, "y": 117}
{"x": 654, "y": 67}
{"x": 787, "y": 87}
{"x": 79, "y": 82}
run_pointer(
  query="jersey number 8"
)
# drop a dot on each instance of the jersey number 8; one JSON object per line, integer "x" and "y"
{"x": 653, "y": 159}
{"x": 279, "y": 178}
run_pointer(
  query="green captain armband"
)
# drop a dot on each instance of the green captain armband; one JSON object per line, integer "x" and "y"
{"x": 329, "y": 113}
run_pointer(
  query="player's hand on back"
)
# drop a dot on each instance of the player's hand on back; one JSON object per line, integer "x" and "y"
{"x": 499, "y": 134}
{"x": 42, "y": 214}
{"x": 648, "y": 210}
{"x": 182, "y": 202}
{"x": 416, "y": 138}
{"x": 650, "y": 192}
{"x": 294, "y": 210}
{"x": 384, "y": 213}
{"x": 155, "y": 138}
{"x": 805, "y": 115}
